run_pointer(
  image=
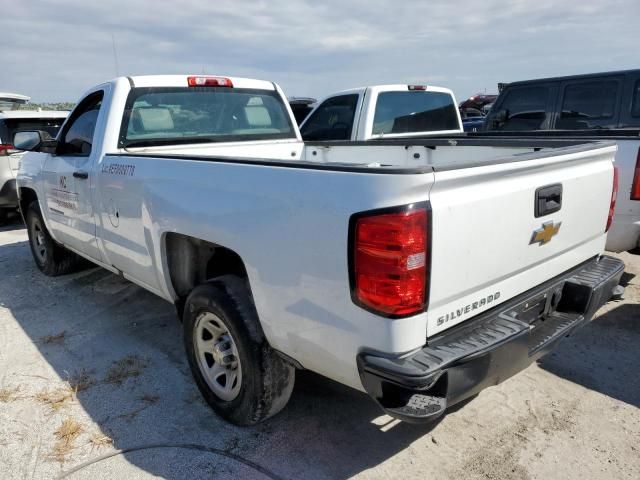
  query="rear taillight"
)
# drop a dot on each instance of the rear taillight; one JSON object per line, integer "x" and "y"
{"x": 635, "y": 186}
{"x": 614, "y": 196}
{"x": 203, "y": 81}
{"x": 389, "y": 261}
{"x": 5, "y": 149}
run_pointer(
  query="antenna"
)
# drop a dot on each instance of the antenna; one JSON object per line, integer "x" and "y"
{"x": 115, "y": 54}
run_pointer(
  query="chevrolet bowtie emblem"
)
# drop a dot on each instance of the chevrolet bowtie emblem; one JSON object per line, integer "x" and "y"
{"x": 545, "y": 234}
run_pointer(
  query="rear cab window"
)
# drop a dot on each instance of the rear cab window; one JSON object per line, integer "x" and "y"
{"x": 332, "y": 120}
{"x": 400, "y": 112}
{"x": 156, "y": 116}
{"x": 589, "y": 104}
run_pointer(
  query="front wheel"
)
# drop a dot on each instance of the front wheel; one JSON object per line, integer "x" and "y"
{"x": 51, "y": 259}
{"x": 237, "y": 372}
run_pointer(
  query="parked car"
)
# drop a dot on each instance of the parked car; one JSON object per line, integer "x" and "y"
{"x": 301, "y": 107}
{"x": 478, "y": 101}
{"x": 598, "y": 106}
{"x": 472, "y": 119}
{"x": 417, "y": 270}
{"x": 12, "y": 121}
{"x": 383, "y": 111}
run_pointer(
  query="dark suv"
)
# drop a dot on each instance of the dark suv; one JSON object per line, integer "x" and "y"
{"x": 596, "y": 101}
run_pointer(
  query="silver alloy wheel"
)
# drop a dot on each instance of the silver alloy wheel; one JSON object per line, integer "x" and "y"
{"x": 38, "y": 240}
{"x": 217, "y": 355}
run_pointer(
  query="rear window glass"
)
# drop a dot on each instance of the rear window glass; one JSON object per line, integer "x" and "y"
{"x": 635, "y": 109}
{"x": 414, "y": 111}
{"x": 166, "y": 116}
{"x": 589, "y": 105}
{"x": 9, "y": 126}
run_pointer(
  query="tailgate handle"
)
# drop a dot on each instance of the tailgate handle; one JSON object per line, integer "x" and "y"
{"x": 548, "y": 199}
{"x": 81, "y": 175}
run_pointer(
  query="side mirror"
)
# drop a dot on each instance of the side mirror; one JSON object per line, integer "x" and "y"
{"x": 33, "y": 141}
{"x": 26, "y": 140}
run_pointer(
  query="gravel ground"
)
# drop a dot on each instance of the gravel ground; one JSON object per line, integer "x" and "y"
{"x": 93, "y": 375}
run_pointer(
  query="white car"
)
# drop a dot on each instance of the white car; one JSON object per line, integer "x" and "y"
{"x": 417, "y": 270}
{"x": 12, "y": 121}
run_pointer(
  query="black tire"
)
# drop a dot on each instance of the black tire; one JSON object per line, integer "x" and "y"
{"x": 51, "y": 258}
{"x": 266, "y": 380}
{"x": 4, "y": 216}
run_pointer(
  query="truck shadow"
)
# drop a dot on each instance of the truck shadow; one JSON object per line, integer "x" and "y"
{"x": 12, "y": 222}
{"x": 605, "y": 355}
{"x": 121, "y": 347}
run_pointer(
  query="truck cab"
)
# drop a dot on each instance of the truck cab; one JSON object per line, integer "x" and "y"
{"x": 383, "y": 111}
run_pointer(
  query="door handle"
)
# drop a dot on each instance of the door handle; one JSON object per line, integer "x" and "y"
{"x": 80, "y": 174}
{"x": 548, "y": 200}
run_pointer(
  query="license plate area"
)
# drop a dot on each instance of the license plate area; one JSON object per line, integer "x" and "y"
{"x": 538, "y": 308}
{"x": 547, "y": 315}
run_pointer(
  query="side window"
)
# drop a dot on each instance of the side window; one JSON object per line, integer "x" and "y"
{"x": 332, "y": 120}
{"x": 635, "y": 107}
{"x": 526, "y": 109}
{"x": 77, "y": 137}
{"x": 589, "y": 105}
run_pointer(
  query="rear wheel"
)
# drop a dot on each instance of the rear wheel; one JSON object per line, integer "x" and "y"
{"x": 237, "y": 372}
{"x": 51, "y": 259}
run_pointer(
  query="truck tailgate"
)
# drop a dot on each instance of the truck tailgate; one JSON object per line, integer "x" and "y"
{"x": 487, "y": 243}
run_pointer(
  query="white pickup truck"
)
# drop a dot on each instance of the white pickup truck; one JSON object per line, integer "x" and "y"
{"x": 419, "y": 271}
{"x": 383, "y": 111}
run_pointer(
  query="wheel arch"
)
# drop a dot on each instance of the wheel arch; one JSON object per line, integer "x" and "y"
{"x": 191, "y": 261}
{"x": 26, "y": 196}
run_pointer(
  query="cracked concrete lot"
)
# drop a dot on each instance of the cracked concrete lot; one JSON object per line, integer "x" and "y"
{"x": 94, "y": 384}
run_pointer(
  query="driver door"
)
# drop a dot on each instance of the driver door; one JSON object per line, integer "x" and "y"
{"x": 68, "y": 178}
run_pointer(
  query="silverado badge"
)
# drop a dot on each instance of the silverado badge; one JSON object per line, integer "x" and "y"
{"x": 545, "y": 234}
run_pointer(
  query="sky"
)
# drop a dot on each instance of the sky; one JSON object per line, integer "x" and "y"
{"x": 54, "y": 50}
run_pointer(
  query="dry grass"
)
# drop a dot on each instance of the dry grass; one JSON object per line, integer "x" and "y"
{"x": 149, "y": 398}
{"x": 100, "y": 440}
{"x": 80, "y": 380}
{"x": 66, "y": 435}
{"x": 57, "y": 339}
{"x": 9, "y": 394}
{"x": 56, "y": 398}
{"x": 127, "y": 367}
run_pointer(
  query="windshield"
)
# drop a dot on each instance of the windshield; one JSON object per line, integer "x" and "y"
{"x": 166, "y": 116}
{"x": 414, "y": 111}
